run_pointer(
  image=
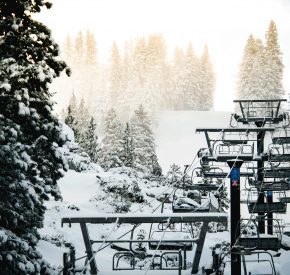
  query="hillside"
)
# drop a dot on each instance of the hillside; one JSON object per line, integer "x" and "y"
{"x": 86, "y": 194}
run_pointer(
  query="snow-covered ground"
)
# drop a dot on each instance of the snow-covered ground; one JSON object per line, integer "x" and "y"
{"x": 176, "y": 139}
{"x": 83, "y": 195}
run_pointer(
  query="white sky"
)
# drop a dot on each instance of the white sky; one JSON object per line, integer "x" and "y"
{"x": 222, "y": 24}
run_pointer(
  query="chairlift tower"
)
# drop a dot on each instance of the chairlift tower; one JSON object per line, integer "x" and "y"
{"x": 246, "y": 144}
{"x": 260, "y": 113}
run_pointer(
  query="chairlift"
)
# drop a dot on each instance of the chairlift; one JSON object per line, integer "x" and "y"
{"x": 214, "y": 172}
{"x": 283, "y": 197}
{"x": 262, "y": 264}
{"x": 260, "y": 111}
{"x": 281, "y": 135}
{"x": 254, "y": 206}
{"x": 181, "y": 238}
{"x": 273, "y": 185}
{"x": 235, "y": 138}
{"x": 279, "y": 152}
{"x": 124, "y": 260}
{"x": 191, "y": 202}
{"x": 234, "y": 149}
{"x": 277, "y": 172}
{"x": 251, "y": 238}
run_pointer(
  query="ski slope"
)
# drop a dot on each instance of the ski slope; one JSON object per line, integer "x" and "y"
{"x": 175, "y": 135}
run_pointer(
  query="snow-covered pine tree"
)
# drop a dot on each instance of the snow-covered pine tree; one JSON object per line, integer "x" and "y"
{"x": 207, "y": 82}
{"x": 90, "y": 141}
{"x": 91, "y": 49}
{"x": 115, "y": 74}
{"x": 68, "y": 49}
{"x": 110, "y": 152}
{"x": 82, "y": 118}
{"x": 191, "y": 87}
{"x": 274, "y": 64}
{"x": 79, "y": 50}
{"x": 29, "y": 133}
{"x": 154, "y": 93}
{"x": 73, "y": 104}
{"x": 127, "y": 152}
{"x": 261, "y": 69}
{"x": 144, "y": 144}
{"x": 178, "y": 76}
{"x": 71, "y": 121}
{"x": 251, "y": 76}
{"x": 174, "y": 175}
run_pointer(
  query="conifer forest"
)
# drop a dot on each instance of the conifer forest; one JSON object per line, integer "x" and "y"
{"x": 144, "y": 137}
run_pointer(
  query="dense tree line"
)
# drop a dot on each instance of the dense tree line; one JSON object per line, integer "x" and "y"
{"x": 131, "y": 144}
{"x": 139, "y": 73}
{"x": 29, "y": 134}
{"x": 261, "y": 68}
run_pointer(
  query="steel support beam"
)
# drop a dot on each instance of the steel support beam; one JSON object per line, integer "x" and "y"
{"x": 89, "y": 250}
{"x": 143, "y": 218}
{"x": 199, "y": 248}
{"x": 235, "y": 166}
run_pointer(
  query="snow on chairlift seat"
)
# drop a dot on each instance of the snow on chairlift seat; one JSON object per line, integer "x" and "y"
{"x": 274, "y": 207}
{"x": 185, "y": 204}
{"x": 261, "y": 242}
{"x": 271, "y": 186}
{"x": 251, "y": 238}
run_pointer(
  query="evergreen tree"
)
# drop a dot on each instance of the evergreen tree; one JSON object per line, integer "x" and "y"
{"x": 82, "y": 117}
{"x": 29, "y": 134}
{"x": 110, "y": 153}
{"x": 91, "y": 49}
{"x": 73, "y": 104}
{"x": 79, "y": 49}
{"x": 192, "y": 89}
{"x": 90, "y": 141}
{"x": 273, "y": 63}
{"x": 144, "y": 145}
{"x": 177, "y": 98}
{"x": 127, "y": 153}
{"x": 206, "y": 98}
{"x": 250, "y": 72}
{"x": 115, "y": 74}
{"x": 261, "y": 69}
{"x": 68, "y": 49}
{"x": 71, "y": 121}
{"x": 154, "y": 92}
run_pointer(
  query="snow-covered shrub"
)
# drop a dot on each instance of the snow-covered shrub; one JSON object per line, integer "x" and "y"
{"x": 18, "y": 257}
{"x": 76, "y": 159}
{"x": 174, "y": 175}
{"x": 123, "y": 183}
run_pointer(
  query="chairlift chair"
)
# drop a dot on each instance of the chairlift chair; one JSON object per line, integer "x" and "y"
{"x": 170, "y": 232}
{"x": 251, "y": 238}
{"x": 277, "y": 172}
{"x": 273, "y": 185}
{"x": 192, "y": 202}
{"x": 254, "y": 206}
{"x": 260, "y": 111}
{"x": 282, "y": 197}
{"x": 281, "y": 135}
{"x": 279, "y": 152}
{"x": 260, "y": 266}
